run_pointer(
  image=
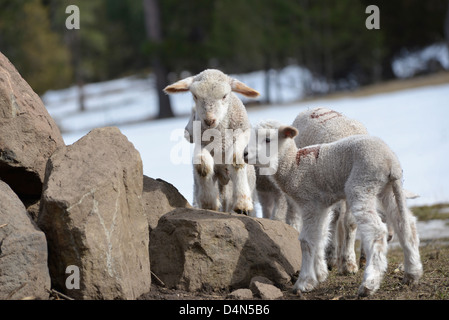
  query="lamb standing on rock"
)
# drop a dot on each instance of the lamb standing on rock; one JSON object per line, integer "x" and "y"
{"x": 361, "y": 169}
{"x": 222, "y": 116}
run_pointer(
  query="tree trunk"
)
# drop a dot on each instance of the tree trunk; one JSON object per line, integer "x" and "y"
{"x": 74, "y": 43}
{"x": 446, "y": 26}
{"x": 267, "y": 83}
{"x": 154, "y": 34}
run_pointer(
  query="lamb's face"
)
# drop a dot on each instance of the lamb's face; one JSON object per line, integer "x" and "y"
{"x": 262, "y": 150}
{"x": 212, "y": 100}
{"x": 267, "y": 144}
{"x": 211, "y": 90}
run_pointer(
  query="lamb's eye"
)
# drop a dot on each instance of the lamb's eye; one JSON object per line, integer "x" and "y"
{"x": 224, "y": 97}
{"x": 267, "y": 140}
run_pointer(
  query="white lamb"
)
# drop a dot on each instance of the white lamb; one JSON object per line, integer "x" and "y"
{"x": 223, "y": 132}
{"x": 315, "y": 126}
{"x": 322, "y": 125}
{"x": 318, "y": 125}
{"x": 361, "y": 169}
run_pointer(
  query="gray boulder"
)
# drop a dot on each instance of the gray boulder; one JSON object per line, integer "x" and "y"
{"x": 23, "y": 251}
{"x": 92, "y": 214}
{"x": 193, "y": 249}
{"x": 28, "y": 135}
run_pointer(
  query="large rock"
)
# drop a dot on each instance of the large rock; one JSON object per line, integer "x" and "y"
{"x": 28, "y": 135}
{"x": 23, "y": 251}
{"x": 160, "y": 197}
{"x": 194, "y": 249}
{"x": 92, "y": 214}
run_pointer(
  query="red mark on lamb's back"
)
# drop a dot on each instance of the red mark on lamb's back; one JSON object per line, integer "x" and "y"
{"x": 332, "y": 114}
{"x": 304, "y": 152}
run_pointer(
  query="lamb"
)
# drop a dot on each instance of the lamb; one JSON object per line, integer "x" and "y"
{"x": 219, "y": 115}
{"x": 318, "y": 125}
{"x": 322, "y": 125}
{"x": 275, "y": 204}
{"x": 361, "y": 169}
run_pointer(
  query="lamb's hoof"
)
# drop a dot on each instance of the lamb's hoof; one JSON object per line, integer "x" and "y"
{"x": 410, "y": 279}
{"x": 243, "y": 205}
{"x": 297, "y": 293}
{"x": 241, "y": 212}
{"x": 368, "y": 287}
{"x": 348, "y": 268}
{"x": 364, "y": 292}
{"x": 305, "y": 285}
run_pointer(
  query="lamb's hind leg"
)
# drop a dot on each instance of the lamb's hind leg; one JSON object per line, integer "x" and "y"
{"x": 332, "y": 249}
{"x": 374, "y": 241}
{"x": 313, "y": 238}
{"x": 347, "y": 228}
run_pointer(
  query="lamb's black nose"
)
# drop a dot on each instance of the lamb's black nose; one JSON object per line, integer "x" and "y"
{"x": 245, "y": 156}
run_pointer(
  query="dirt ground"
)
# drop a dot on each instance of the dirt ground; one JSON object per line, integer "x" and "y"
{"x": 434, "y": 284}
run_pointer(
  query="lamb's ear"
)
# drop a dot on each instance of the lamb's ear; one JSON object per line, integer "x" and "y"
{"x": 179, "y": 86}
{"x": 288, "y": 132}
{"x": 242, "y": 88}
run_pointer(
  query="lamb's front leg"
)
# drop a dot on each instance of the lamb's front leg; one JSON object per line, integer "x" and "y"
{"x": 313, "y": 241}
{"x": 205, "y": 186}
{"x": 242, "y": 200}
{"x": 242, "y": 193}
{"x": 307, "y": 280}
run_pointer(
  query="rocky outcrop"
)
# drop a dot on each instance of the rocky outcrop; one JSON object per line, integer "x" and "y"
{"x": 193, "y": 249}
{"x": 28, "y": 135}
{"x": 103, "y": 219}
{"x": 92, "y": 214}
{"x": 23, "y": 251}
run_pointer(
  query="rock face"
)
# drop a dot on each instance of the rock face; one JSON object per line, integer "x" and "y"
{"x": 194, "y": 249}
{"x": 92, "y": 214}
{"x": 160, "y": 197}
{"x": 23, "y": 251}
{"x": 28, "y": 135}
